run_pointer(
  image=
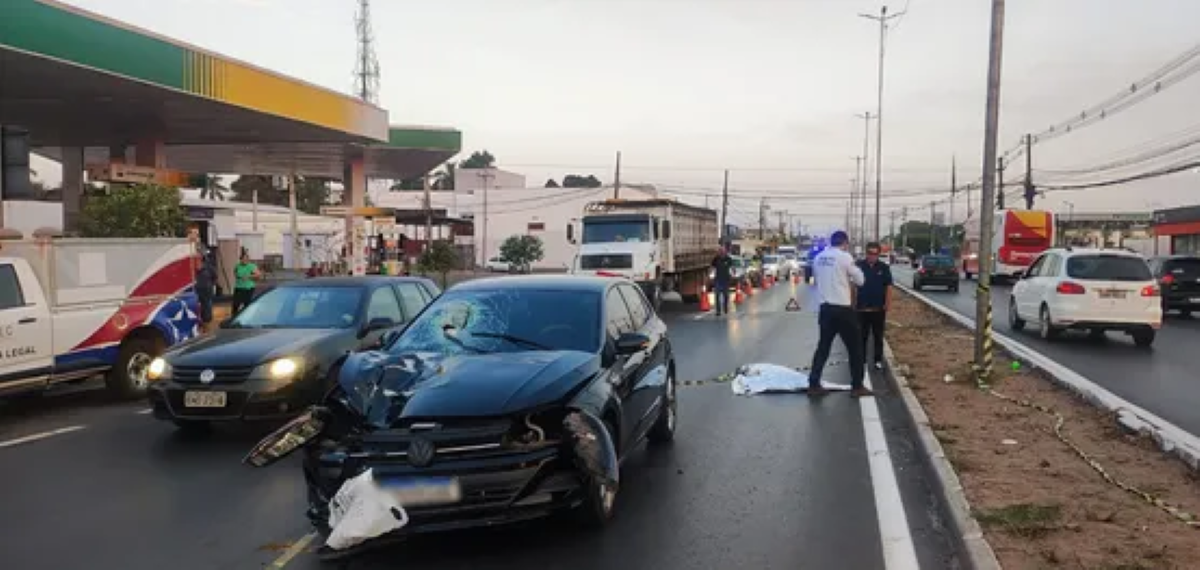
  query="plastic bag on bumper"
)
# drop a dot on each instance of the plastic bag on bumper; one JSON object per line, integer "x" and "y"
{"x": 360, "y": 511}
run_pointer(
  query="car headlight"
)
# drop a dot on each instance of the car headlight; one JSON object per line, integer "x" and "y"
{"x": 158, "y": 369}
{"x": 282, "y": 369}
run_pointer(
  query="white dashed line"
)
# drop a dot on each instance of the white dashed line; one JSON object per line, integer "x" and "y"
{"x": 296, "y": 548}
{"x": 894, "y": 533}
{"x": 39, "y": 436}
{"x": 144, "y": 412}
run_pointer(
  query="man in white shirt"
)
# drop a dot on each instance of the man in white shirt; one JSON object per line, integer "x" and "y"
{"x": 837, "y": 276}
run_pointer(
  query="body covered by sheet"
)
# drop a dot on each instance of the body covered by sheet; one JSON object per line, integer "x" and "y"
{"x": 360, "y": 511}
{"x": 766, "y": 378}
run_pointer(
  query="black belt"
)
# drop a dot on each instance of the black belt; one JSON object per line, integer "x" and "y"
{"x": 832, "y": 306}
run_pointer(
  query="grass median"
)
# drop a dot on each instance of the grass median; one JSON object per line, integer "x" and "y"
{"x": 1053, "y": 481}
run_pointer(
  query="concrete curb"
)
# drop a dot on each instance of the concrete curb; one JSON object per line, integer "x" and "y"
{"x": 1169, "y": 437}
{"x": 976, "y": 549}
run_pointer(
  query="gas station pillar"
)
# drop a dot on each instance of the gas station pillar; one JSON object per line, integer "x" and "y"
{"x": 354, "y": 193}
{"x": 72, "y": 187}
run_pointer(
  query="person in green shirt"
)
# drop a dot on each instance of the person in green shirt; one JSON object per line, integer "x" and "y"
{"x": 246, "y": 276}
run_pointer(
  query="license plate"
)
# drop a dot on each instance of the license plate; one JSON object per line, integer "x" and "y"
{"x": 423, "y": 491}
{"x": 1111, "y": 294}
{"x": 204, "y": 399}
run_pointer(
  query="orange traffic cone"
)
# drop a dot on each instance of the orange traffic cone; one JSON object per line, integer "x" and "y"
{"x": 795, "y": 279}
{"x": 737, "y": 296}
{"x": 770, "y": 282}
{"x": 749, "y": 288}
{"x": 705, "y": 305}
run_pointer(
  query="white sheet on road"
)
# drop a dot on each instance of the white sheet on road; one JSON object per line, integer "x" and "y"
{"x": 767, "y": 378}
{"x": 361, "y": 511}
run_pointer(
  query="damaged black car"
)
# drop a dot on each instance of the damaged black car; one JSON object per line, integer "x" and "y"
{"x": 507, "y": 399}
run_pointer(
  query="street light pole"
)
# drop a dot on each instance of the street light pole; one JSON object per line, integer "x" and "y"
{"x": 862, "y": 201}
{"x": 882, "y": 18}
{"x": 983, "y": 294}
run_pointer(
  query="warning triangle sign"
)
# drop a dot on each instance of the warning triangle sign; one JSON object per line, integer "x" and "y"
{"x": 792, "y": 305}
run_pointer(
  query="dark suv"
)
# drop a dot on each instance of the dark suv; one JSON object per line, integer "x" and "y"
{"x": 938, "y": 271}
{"x": 1179, "y": 278}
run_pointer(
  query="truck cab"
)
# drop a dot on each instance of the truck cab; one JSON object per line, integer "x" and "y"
{"x": 621, "y": 245}
{"x": 26, "y": 345}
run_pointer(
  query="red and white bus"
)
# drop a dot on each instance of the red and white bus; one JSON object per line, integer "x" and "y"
{"x": 1020, "y": 236}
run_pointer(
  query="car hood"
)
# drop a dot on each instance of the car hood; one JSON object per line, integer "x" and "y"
{"x": 385, "y": 388}
{"x": 248, "y": 347}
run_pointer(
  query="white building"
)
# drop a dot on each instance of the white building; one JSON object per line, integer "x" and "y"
{"x": 513, "y": 209}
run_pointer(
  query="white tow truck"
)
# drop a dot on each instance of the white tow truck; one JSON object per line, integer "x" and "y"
{"x": 663, "y": 245}
{"x": 71, "y": 309}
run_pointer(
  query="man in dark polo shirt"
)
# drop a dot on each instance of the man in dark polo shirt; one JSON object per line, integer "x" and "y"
{"x": 874, "y": 299}
{"x": 722, "y": 266}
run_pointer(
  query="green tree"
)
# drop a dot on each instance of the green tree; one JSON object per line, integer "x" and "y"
{"x": 479, "y": 159}
{"x": 245, "y": 186}
{"x": 440, "y": 257}
{"x": 444, "y": 178}
{"x": 522, "y": 250}
{"x": 552, "y": 183}
{"x": 210, "y": 186}
{"x": 577, "y": 181}
{"x": 133, "y": 211}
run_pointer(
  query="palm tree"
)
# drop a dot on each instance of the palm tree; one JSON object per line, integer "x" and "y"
{"x": 210, "y": 186}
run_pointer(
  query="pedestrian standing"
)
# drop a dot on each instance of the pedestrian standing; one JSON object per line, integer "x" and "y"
{"x": 874, "y": 300}
{"x": 836, "y": 277}
{"x": 206, "y": 289}
{"x": 722, "y": 266}
{"x": 246, "y": 276}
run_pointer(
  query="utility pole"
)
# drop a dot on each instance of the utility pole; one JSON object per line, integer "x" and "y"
{"x": 762, "y": 219}
{"x": 725, "y": 210}
{"x": 999, "y": 184}
{"x": 1030, "y": 189}
{"x": 903, "y": 223}
{"x": 932, "y": 228}
{"x": 983, "y": 293}
{"x": 617, "y": 179}
{"x": 892, "y": 229}
{"x": 860, "y": 164}
{"x": 953, "y": 187}
{"x": 862, "y": 201}
{"x": 782, "y": 232}
{"x": 366, "y": 66}
{"x": 883, "y": 19}
{"x": 487, "y": 176}
{"x": 293, "y": 223}
{"x": 850, "y": 205}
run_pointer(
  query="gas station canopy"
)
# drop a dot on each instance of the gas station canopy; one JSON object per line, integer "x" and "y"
{"x": 77, "y": 79}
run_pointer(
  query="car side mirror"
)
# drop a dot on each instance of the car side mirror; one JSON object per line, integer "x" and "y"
{"x": 571, "y": 233}
{"x": 631, "y": 343}
{"x": 376, "y": 324}
{"x": 666, "y": 229}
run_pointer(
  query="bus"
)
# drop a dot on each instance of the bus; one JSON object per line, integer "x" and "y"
{"x": 1020, "y": 236}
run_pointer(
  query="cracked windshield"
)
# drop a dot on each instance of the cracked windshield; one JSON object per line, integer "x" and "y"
{"x": 599, "y": 284}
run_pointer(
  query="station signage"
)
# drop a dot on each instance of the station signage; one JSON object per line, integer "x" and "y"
{"x": 120, "y": 173}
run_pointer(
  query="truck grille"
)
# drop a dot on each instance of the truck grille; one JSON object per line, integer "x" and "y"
{"x": 606, "y": 261}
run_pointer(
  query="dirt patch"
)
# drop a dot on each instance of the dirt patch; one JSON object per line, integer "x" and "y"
{"x": 1039, "y": 503}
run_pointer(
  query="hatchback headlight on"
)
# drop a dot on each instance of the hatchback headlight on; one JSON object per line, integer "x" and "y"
{"x": 158, "y": 370}
{"x": 282, "y": 369}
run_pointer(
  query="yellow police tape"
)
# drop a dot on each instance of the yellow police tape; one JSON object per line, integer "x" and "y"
{"x": 1184, "y": 516}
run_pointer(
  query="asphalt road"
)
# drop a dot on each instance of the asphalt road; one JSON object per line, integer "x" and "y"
{"x": 1162, "y": 380}
{"x": 773, "y": 481}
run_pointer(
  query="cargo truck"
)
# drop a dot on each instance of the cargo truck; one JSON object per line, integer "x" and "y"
{"x": 663, "y": 245}
{"x": 71, "y": 309}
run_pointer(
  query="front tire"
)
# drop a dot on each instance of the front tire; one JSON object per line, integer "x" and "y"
{"x": 1015, "y": 322}
{"x": 599, "y": 500}
{"x": 664, "y": 429}
{"x": 128, "y": 380}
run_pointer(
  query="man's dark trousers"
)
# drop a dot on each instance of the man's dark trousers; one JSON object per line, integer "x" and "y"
{"x": 873, "y": 323}
{"x": 839, "y": 321}
{"x": 721, "y": 291}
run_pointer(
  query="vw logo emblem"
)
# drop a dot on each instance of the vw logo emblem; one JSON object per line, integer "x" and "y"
{"x": 207, "y": 376}
{"x": 421, "y": 452}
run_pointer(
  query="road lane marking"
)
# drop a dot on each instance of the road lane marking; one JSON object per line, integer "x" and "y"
{"x": 296, "y": 548}
{"x": 144, "y": 412}
{"x": 39, "y": 436}
{"x": 894, "y": 533}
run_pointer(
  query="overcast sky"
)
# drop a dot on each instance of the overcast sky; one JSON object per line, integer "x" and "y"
{"x": 685, "y": 88}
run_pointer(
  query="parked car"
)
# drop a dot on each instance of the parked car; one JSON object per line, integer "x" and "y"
{"x": 773, "y": 266}
{"x": 1179, "y": 282}
{"x": 283, "y": 351}
{"x": 936, "y": 271}
{"x": 499, "y": 265}
{"x": 506, "y": 400}
{"x": 1097, "y": 290}
{"x": 740, "y": 273}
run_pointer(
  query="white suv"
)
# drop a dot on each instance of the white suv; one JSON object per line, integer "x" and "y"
{"x": 1096, "y": 290}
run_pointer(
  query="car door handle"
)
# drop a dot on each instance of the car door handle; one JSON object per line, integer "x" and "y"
{"x": 27, "y": 320}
